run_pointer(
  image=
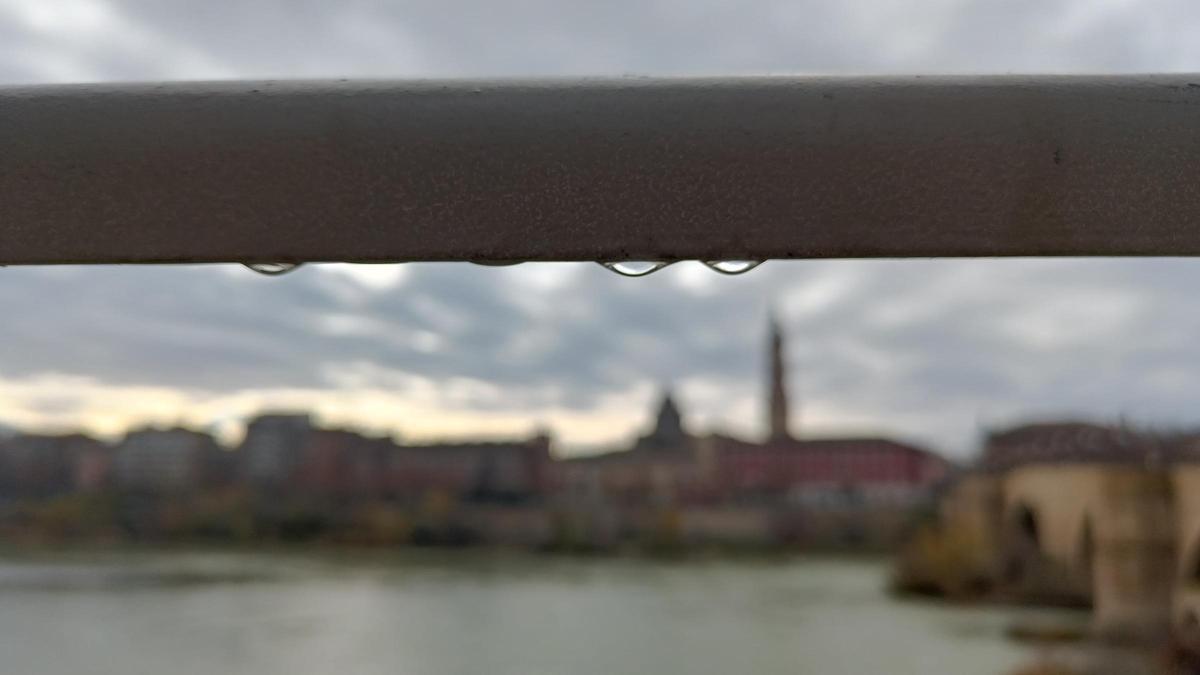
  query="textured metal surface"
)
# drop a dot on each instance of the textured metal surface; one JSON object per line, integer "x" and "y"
{"x": 594, "y": 170}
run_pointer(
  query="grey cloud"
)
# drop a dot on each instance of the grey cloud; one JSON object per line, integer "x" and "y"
{"x": 165, "y": 39}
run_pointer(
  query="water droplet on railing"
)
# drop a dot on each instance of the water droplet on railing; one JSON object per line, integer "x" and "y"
{"x": 272, "y": 269}
{"x": 635, "y": 268}
{"x": 732, "y": 266}
{"x": 497, "y": 263}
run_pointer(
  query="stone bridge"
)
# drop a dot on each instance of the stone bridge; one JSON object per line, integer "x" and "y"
{"x": 1124, "y": 539}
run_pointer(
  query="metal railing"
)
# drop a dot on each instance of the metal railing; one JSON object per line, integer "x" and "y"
{"x": 627, "y": 169}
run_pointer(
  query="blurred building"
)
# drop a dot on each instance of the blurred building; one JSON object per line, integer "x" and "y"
{"x": 273, "y": 448}
{"x": 168, "y": 460}
{"x": 837, "y": 491}
{"x": 833, "y": 472}
{"x": 339, "y": 463}
{"x": 45, "y": 465}
{"x": 659, "y": 467}
{"x": 496, "y": 471}
{"x": 286, "y": 454}
{"x": 1074, "y": 441}
{"x": 93, "y": 464}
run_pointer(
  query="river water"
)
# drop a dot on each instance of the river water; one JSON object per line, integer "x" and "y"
{"x": 465, "y": 614}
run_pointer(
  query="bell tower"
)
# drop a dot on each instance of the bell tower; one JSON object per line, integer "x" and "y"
{"x": 778, "y": 398}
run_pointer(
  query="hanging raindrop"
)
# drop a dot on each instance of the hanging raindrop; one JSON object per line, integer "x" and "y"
{"x": 635, "y": 268}
{"x": 732, "y": 266}
{"x": 272, "y": 269}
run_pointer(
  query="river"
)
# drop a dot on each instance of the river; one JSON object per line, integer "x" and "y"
{"x": 463, "y": 613}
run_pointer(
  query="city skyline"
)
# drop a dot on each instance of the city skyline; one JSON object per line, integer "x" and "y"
{"x": 444, "y": 350}
{"x": 291, "y": 479}
{"x": 778, "y": 423}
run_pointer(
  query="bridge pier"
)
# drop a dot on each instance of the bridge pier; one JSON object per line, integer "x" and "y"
{"x": 1135, "y": 555}
{"x": 1186, "y": 621}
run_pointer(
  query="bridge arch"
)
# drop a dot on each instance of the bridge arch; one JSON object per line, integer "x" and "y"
{"x": 1105, "y": 537}
{"x": 1023, "y": 542}
{"x": 1027, "y": 527}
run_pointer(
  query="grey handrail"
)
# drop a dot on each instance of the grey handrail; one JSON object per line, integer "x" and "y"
{"x": 619, "y": 169}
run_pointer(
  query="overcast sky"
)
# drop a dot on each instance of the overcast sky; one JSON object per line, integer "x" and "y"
{"x": 931, "y": 351}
